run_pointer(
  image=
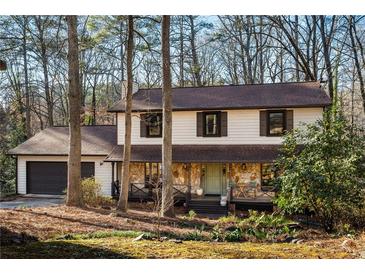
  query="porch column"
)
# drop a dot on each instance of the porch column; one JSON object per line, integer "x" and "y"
{"x": 188, "y": 193}
{"x": 230, "y": 180}
{"x": 150, "y": 179}
{"x": 113, "y": 187}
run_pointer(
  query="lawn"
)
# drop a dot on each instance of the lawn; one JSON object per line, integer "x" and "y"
{"x": 63, "y": 232}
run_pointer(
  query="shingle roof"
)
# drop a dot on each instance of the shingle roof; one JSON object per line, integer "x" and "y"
{"x": 200, "y": 153}
{"x": 95, "y": 140}
{"x": 300, "y": 94}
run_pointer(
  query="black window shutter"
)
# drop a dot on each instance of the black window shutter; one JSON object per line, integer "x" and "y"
{"x": 199, "y": 124}
{"x": 289, "y": 120}
{"x": 224, "y": 124}
{"x": 143, "y": 126}
{"x": 263, "y": 123}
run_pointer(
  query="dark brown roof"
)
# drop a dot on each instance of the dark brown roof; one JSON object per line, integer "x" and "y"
{"x": 200, "y": 153}
{"x": 95, "y": 140}
{"x": 303, "y": 94}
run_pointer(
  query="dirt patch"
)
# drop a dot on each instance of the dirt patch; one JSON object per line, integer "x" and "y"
{"x": 46, "y": 223}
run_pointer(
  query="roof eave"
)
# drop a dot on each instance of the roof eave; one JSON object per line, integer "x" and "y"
{"x": 227, "y": 108}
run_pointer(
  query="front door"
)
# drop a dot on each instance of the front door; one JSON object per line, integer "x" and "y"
{"x": 213, "y": 179}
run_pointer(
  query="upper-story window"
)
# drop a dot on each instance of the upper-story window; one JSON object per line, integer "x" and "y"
{"x": 154, "y": 125}
{"x": 211, "y": 124}
{"x": 151, "y": 125}
{"x": 276, "y": 123}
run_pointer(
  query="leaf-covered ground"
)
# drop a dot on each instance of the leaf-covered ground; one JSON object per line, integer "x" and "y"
{"x": 49, "y": 233}
{"x": 121, "y": 247}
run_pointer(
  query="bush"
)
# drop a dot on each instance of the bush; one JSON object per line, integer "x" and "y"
{"x": 7, "y": 189}
{"x": 191, "y": 214}
{"x": 257, "y": 227}
{"x": 196, "y": 235}
{"x": 328, "y": 175}
{"x": 91, "y": 194}
{"x": 234, "y": 236}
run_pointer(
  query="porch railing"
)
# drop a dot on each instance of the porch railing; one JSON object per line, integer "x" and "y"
{"x": 143, "y": 191}
{"x": 246, "y": 192}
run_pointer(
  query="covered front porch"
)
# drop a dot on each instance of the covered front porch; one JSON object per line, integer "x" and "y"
{"x": 245, "y": 185}
{"x": 242, "y": 184}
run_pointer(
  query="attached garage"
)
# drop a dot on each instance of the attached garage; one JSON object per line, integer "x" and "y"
{"x": 42, "y": 159}
{"x": 51, "y": 177}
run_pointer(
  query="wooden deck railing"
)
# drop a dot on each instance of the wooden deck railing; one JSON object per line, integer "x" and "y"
{"x": 237, "y": 192}
{"x": 146, "y": 192}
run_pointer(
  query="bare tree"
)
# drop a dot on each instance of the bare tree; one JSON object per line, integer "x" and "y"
{"x": 326, "y": 42}
{"x": 123, "y": 198}
{"x": 74, "y": 157}
{"x": 167, "y": 206}
{"x": 195, "y": 64}
{"x": 356, "y": 44}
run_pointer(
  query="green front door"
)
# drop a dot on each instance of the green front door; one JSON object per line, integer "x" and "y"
{"x": 213, "y": 179}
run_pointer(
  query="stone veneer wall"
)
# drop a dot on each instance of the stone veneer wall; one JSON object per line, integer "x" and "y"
{"x": 242, "y": 175}
{"x": 239, "y": 174}
{"x": 178, "y": 171}
{"x": 137, "y": 173}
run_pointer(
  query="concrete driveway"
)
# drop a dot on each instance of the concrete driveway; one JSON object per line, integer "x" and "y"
{"x": 32, "y": 202}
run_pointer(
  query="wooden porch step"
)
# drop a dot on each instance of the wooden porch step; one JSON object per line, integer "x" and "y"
{"x": 208, "y": 207}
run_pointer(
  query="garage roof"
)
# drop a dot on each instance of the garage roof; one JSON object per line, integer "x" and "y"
{"x": 95, "y": 140}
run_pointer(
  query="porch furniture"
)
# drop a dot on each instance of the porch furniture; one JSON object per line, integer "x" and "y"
{"x": 244, "y": 190}
{"x": 240, "y": 190}
{"x": 199, "y": 191}
{"x": 252, "y": 188}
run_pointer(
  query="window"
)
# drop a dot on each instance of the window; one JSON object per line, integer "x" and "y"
{"x": 276, "y": 123}
{"x": 211, "y": 124}
{"x": 154, "y": 125}
{"x": 152, "y": 174}
{"x": 267, "y": 176}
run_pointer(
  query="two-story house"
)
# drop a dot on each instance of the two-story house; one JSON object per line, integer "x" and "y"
{"x": 222, "y": 136}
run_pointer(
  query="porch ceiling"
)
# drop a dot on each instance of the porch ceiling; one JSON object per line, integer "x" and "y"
{"x": 200, "y": 153}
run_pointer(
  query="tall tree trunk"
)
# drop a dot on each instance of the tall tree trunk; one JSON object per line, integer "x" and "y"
{"x": 43, "y": 52}
{"x": 121, "y": 51}
{"x": 123, "y": 197}
{"x": 93, "y": 101}
{"x": 296, "y": 28}
{"x": 356, "y": 59}
{"x": 314, "y": 47}
{"x": 196, "y": 65}
{"x": 74, "y": 157}
{"x": 247, "y": 27}
{"x": 181, "y": 57}
{"x": 167, "y": 205}
{"x": 26, "y": 79}
{"x": 326, "y": 54}
{"x": 261, "y": 53}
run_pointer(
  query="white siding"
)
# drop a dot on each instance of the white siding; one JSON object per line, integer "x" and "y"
{"x": 103, "y": 170}
{"x": 243, "y": 128}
